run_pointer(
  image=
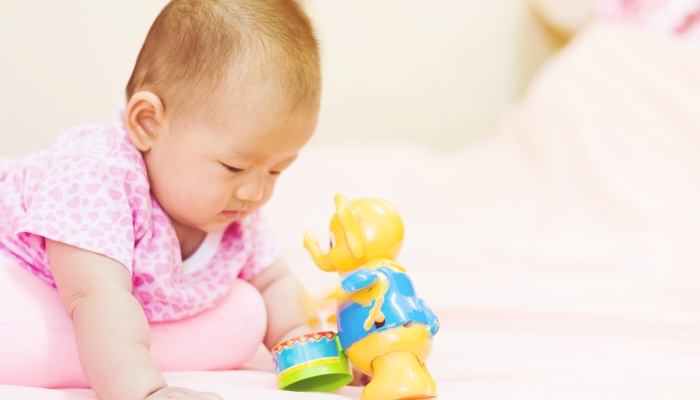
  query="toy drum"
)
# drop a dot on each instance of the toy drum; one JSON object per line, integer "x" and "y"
{"x": 314, "y": 362}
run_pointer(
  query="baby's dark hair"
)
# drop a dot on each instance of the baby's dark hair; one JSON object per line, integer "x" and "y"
{"x": 194, "y": 45}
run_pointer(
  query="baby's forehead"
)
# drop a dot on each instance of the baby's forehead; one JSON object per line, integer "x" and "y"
{"x": 246, "y": 126}
{"x": 253, "y": 98}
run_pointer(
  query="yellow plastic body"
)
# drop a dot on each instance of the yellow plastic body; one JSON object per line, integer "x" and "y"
{"x": 368, "y": 233}
{"x": 416, "y": 340}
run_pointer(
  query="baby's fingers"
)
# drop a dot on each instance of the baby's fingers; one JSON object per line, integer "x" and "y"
{"x": 209, "y": 396}
{"x": 359, "y": 378}
{"x": 176, "y": 393}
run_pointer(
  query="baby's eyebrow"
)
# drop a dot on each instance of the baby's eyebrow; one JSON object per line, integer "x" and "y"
{"x": 241, "y": 157}
{"x": 287, "y": 161}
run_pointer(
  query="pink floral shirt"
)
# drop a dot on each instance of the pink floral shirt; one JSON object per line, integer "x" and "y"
{"x": 90, "y": 190}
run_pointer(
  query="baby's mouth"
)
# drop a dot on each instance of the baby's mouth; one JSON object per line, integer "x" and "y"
{"x": 232, "y": 214}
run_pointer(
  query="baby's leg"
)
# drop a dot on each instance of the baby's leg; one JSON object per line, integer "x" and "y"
{"x": 37, "y": 345}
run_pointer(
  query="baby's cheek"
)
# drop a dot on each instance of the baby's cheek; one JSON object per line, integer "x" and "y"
{"x": 266, "y": 197}
{"x": 269, "y": 190}
{"x": 200, "y": 202}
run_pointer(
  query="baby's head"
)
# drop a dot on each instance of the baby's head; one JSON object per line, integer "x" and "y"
{"x": 223, "y": 96}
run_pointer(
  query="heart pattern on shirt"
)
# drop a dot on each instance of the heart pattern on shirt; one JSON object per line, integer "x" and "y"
{"x": 93, "y": 193}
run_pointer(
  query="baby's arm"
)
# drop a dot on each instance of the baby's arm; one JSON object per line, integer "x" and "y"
{"x": 111, "y": 329}
{"x": 290, "y": 311}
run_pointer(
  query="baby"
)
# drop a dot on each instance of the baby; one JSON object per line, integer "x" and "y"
{"x": 154, "y": 216}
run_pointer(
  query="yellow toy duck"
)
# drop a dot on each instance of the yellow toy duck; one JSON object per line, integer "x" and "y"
{"x": 384, "y": 328}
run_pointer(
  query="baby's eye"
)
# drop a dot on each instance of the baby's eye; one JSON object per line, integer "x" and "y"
{"x": 275, "y": 172}
{"x": 332, "y": 236}
{"x": 232, "y": 169}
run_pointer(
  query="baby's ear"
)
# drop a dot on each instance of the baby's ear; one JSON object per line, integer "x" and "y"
{"x": 142, "y": 119}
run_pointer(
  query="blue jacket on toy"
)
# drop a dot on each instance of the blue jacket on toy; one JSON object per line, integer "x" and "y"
{"x": 401, "y": 305}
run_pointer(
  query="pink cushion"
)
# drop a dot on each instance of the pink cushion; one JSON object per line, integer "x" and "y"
{"x": 38, "y": 345}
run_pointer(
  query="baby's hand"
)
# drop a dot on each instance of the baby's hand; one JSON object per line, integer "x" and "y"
{"x": 359, "y": 378}
{"x": 182, "y": 394}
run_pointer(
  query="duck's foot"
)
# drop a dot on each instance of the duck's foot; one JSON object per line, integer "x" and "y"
{"x": 399, "y": 375}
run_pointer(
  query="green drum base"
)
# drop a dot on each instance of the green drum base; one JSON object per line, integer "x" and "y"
{"x": 321, "y": 378}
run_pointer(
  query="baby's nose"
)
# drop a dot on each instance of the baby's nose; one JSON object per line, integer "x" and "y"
{"x": 251, "y": 190}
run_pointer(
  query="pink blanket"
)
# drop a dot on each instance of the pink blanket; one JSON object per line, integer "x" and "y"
{"x": 560, "y": 255}
{"x": 680, "y": 17}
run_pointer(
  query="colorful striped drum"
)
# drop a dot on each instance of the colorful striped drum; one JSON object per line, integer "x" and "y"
{"x": 312, "y": 362}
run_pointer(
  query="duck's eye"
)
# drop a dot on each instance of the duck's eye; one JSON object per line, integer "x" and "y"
{"x": 332, "y": 236}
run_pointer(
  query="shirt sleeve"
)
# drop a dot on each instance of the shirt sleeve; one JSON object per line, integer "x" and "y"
{"x": 84, "y": 202}
{"x": 266, "y": 248}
